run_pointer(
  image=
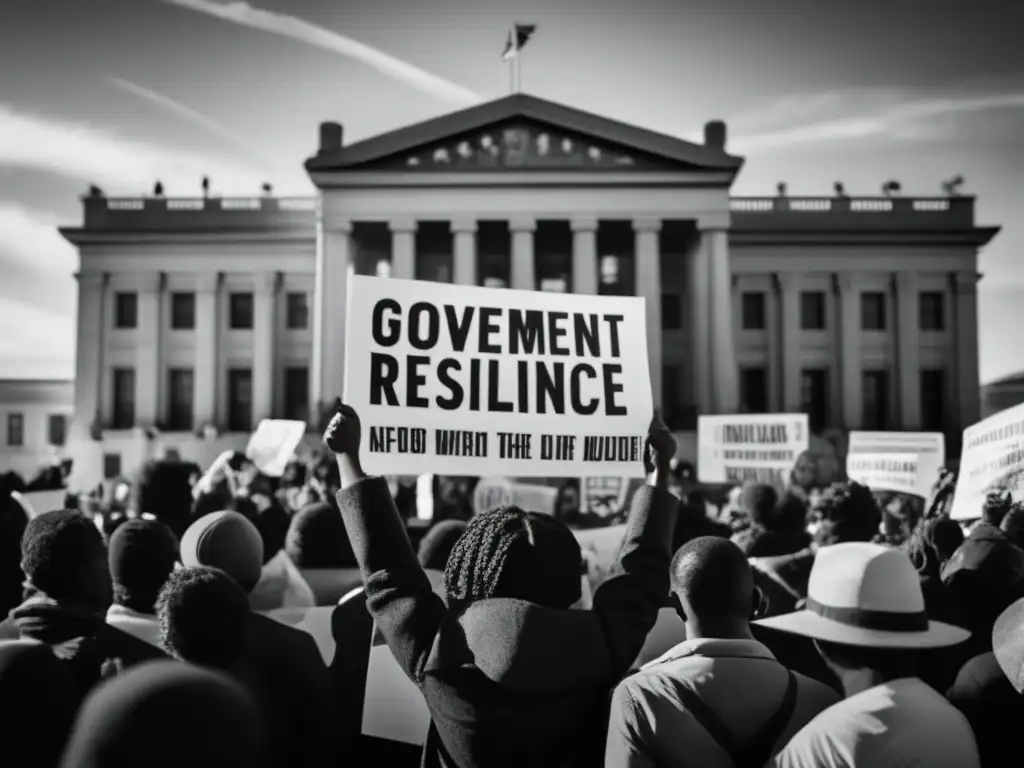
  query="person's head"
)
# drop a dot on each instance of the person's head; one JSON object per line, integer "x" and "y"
{"x": 141, "y": 554}
{"x": 228, "y": 541}
{"x": 848, "y": 512}
{"x": 713, "y": 584}
{"x": 203, "y": 615}
{"x": 436, "y": 546}
{"x": 294, "y": 474}
{"x": 873, "y": 663}
{"x": 271, "y": 521}
{"x": 62, "y": 554}
{"x": 805, "y": 471}
{"x": 790, "y": 515}
{"x": 944, "y": 535}
{"x": 567, "y": 504}
{"x": 758, "y": 501}
{"x": 125, "y": 721}
{"x": 996, "y": 506}
{"x": 1013, "y": 524}
{"x": 38, "y": 699}
{"x": 317, "y": 538}
{"x": 509, "y": 553}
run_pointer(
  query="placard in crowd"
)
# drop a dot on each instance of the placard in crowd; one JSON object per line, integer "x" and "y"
{"x": 760, "y": 448}
{"x": 494, "y": 492}
{"x": 461, "y": 380}
{"x": 603, "y": 496}
{"x": 908, "y": 462}
{"x": 992, "y": 456}
{"x": 273, "y": 443}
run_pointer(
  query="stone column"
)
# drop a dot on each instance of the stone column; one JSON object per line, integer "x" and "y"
{"x": 263, "y": 347}
{"x": 966, "y": 380}
{"x": 464, "y": 251}
{"x": 206, "y": 362}
{"x": 584, "y": 255}
{"x": 333, "y": 266}
{"x": 524, "y": 276}
{"x": 148, "y": 384}
{"x": 908, "y": 350}
{"x": 789, "y": 301}
{"x": 403, "y": 248}
{"x": 89, "y": 353}
{"x": 700, "y": 325}
{"x": 849, "y": 353}
{"x": 648, "y": 285}
{"x": 725, "y": 374}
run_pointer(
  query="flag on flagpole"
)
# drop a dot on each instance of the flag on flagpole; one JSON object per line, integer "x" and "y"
{"x": 518, "y": 36}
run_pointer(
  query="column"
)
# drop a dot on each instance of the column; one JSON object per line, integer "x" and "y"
{"x": 648, "y": 285}
{"x": 264, "y": 330}
{"x": 789, "y": 300}
{"x": 403, "y": 248}
{"x": 724, "y": 372}
{"x": 333, "y": 265}
{"x": 908, "y": 350}
{"x": 523, "y": 273}
{"x": 89, "y": 353}
{"x": 700, "y": 278}
{"x": 584, "y": 255}
{"x": 849, "y": 351}
{"x": 966, "y": 382}
{"x": 206, "y": 365}
{"x": 148, "y": 384}
{"x": 464, "y": 251}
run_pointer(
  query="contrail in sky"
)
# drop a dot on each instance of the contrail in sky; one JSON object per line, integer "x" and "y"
{"x": 311, "y": 34}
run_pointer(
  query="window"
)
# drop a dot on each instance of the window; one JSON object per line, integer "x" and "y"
{"x": 298, "y": 311}
{"x": 126, "y": 310}
{"x": 57, "y": 429}
{"x": 875, "y": 386}
{"x": 814, "y": 396}
{"x": 933, "y": 400}
{"x": 872, "y": 311}
{"x": 931, "y": 308}
{"x": 15, "y": 429}
{"x": 812, "y": 310}
{"x": 671, "y": 312}
{"x": 753, "y": 311}
{"x": 296, "y": 394}
{"x": 183, "y": 311}
{"x": 124, "y": 398}
{"x": 239, "y": 400}
{"x": 111, "y": 466}
{"x": 671, "y": 397}
{"x": 179, "y": 407}
{"x": 240, "y": 311}
{"x": 754, "y": 390}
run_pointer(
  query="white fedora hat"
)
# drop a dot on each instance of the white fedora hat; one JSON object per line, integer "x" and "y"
{"x": 866, "y": 595}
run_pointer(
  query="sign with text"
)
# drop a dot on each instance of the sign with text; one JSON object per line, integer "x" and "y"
{"x": 461, "y": 380}
{"x": 992, "y": 457}
{"x": 273, "y": 444}
{"x": 603, "y": 495}
{"x": 759, "y": 448}
{"x": 872, "y": 459}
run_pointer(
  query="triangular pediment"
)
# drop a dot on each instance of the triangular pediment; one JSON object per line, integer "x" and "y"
{"x": 524, "y": 133}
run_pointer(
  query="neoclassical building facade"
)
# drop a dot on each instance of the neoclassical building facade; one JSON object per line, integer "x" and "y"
{"x": 199, "y": 317}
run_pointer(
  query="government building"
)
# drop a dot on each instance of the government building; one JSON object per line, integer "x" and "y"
{"x": 199, "y": 317}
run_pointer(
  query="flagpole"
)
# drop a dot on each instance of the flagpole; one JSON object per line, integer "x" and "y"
{"x": 511, "y": 62}
{"x": 519, "y": 71}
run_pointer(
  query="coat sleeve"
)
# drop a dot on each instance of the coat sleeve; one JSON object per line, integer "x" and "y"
{"x": 398, "y": 593}
{"x": 627, "y": 603}
{"x": 624, "y": 747}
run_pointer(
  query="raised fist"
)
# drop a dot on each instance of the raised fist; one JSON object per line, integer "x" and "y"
{"x": 343, "y": 432}
{"x": 660, "y": 447}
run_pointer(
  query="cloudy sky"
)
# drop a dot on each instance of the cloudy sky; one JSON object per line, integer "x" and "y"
{"x": 122, "y": 92}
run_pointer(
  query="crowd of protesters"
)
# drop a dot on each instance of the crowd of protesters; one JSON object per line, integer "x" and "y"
{"x": 811, "y": 626}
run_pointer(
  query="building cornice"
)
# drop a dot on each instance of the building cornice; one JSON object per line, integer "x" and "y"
{"x": 976, "y": 237}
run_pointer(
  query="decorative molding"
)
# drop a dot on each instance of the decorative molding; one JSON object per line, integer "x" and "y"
{"x": 207, "y": 282}
{"x": 405, "y": 224}
{"x": 647, "y": 224}
{"x": 267, "y": 282}
{"x": 143, "y": 282}
{"x": 522, "y": 224}
{"x": 463, "y": 224}
{"x": 965, "y": 283}
{"x": 584, "y": 223}
{"x": 844, "y": 282}
{"x": 905, "y": 281}
{"x": 786, "y": 282}
{"x": 328, "y": 180}
{"x": 91, "y": 280}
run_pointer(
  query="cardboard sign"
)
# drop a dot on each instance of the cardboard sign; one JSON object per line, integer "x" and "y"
{"x": 872, "y": 459}
{"x": 273, "y": 444}
{"x": 40, "y": 502}
{"x": 760, "y": 448}
{"x": 461, "y": 380}
{"x": 992, "y": 456}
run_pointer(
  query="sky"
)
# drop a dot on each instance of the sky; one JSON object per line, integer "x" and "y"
{"x": 124, "y": 92}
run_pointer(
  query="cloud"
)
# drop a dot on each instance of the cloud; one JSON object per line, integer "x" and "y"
{"x": 30, "y": 240}
{"x": 42, "y": 347}
{"x": 306, "y": 32}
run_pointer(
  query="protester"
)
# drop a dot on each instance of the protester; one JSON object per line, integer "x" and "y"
{"x": 13, "y": 520}
{"x": 777, "y": 525}
{"x": 318, "y": 545}
{"x": 164, "y": 490}
{"x": 141, "y": 554}
{"x": 719, "y": 698}
{"x": 436, "y": 547}
{"x": 866, "y": 614}
{"x": 510, "y": 676}
{"x": 1012, "y": 525}
{"x": 168, "y": 715}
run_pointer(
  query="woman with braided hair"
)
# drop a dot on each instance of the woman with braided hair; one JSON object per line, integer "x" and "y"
{"x": 511, "y": 675}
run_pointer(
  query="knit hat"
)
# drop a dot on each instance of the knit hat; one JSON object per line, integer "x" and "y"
{"x": 64, "y": 556}
{"x": 225, "y": 540}
{"x": 141, "y": 555}
{"x": 437, "y": 544}
{"x": 317, "y": 538}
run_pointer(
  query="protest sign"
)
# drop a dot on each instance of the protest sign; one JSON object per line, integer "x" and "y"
{"x": 39, "y": 502}
{"x": 604, "y": 496}
{"x": 273, "y": 444}
{"x": 870, "y": 460}
{"x": 992, "y": 457}
{"x": 461, "y": 380}
{"x": 760, "y": 448}
{"x": 494, "y": 492}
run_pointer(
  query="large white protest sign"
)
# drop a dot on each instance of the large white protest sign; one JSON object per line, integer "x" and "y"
{"x": 761, "y": 448}
{"x": 273, "y": 443}
{"x": 992, "y": 456}
{"x": 908, "y": 462}
{"x": 460, "y": 380}
{"x": 40, "y": 502}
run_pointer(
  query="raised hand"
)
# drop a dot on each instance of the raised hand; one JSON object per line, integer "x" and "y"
{"x": 344, "y": 432}
{"x": 660, "y": 447}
